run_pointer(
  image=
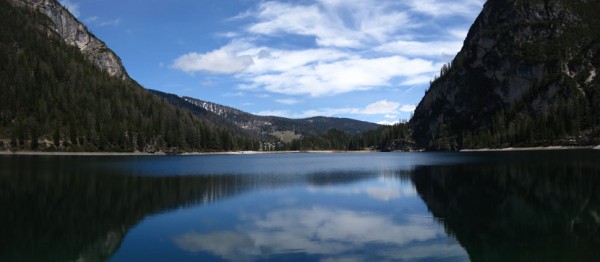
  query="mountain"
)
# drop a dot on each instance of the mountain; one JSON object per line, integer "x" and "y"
{"x": 283, "y": 128}
{"x": 64, "y": 90}
{"x": 75, "y": 33}
{"x": 526, "y": 76}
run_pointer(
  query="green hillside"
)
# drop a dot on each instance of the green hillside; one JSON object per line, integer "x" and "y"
{"x": 52, "y": 98}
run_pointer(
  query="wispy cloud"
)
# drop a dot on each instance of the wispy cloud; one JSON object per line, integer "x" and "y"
{"x": 113, "y": 22}
{"x": 408, "y": 108}
{"x": 348, "y": 75}
{"x": 347, "y": 46}
{"x": 437, "y": 8}
{"x": 422, "y": 49}
{"x": 287, "y": 101}
{"x": 332, "y": 23}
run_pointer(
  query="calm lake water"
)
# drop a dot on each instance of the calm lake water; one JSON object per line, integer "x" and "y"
{"x": 491, "y": 206}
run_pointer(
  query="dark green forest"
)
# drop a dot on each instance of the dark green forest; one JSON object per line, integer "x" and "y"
{"x": 384, "y": 138}
{"x": 53, "y": 99}
{"x": 561, "y": 108}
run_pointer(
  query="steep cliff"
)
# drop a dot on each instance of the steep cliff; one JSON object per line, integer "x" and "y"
{"x": 526, "y": 75}
{"x": 55, "y": 96}
{"x": 75, "y": 33}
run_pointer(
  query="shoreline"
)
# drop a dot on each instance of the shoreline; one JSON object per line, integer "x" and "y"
{"x": 40, "y": 153}
{"x": 160, "y": 153}
{"x": 539, "y": 148}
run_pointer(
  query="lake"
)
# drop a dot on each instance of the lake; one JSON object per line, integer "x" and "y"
{"x": 478, "y": 206}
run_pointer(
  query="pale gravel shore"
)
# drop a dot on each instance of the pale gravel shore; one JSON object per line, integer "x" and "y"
{"x": 36, "y": 153}
{"x": 541, "y": 148}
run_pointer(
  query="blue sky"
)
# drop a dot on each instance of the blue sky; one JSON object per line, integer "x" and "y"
{"x": 364, "y": 59}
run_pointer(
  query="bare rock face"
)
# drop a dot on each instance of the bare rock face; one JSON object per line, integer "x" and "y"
{"x": 521, "y": 56}
{"x": 76, "y": 34}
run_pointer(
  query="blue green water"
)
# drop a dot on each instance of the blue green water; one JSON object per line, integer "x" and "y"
{"x": 505, "y": 206}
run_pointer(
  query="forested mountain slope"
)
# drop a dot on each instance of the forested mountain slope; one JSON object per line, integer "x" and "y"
{"x": 526, "y": 76}
{"x": 268, "y": 125}
{"x": 56, "y": 96}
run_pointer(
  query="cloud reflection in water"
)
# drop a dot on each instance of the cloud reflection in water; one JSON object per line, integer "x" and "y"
{"x": 382, "y": 190}
{"x": 332, "y": 233}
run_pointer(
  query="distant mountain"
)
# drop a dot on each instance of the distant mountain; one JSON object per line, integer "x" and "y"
{"x": 283, "y": 128}
{"x": 526, "y": 76}
{"x": 62, "y": 89}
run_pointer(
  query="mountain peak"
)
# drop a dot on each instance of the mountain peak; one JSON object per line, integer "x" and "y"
{"x": 523, "y": 62}
{"x": 75, "y": 33}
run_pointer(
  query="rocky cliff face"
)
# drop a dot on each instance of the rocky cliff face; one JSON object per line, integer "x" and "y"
{"x": 76, "y": 34}
{"x": 522, "y": 62}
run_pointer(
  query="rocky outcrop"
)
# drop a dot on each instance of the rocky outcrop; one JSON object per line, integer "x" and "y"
{"x": 76, "y": 34}
{"x": 521, "y": 58}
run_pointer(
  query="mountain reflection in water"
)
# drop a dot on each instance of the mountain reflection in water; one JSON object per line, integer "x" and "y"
{"x": 519, "y": 206}
{"x": 540, "y": 206}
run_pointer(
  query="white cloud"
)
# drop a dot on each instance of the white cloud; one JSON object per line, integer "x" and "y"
{"x": 287, "y": 101}
{"x": 387, "y": 123}
{"x": 408, "y": 108}
{"x": 72, "y": 7}
{"x": 269, "y": 60}
{"x": 91, "y": 19}
{"x": 224, "y": 60}
{"x": 234, "y": 94}
{"x": 342, "y": 76}
{"x": 438, "y": 8}
{"x": 113, "y": 22}
{"x": 422, "y": 49}
{"x": 382, "y": 107}
{"x": 417, "y": 80}
{"x": 331, "y": 23}
{"x": 228, "y": 35}
{"x": 320, "y": 48}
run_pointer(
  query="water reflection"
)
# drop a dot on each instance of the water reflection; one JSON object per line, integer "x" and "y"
{"x": 81, "y": 208}
{"x": 526, "y": 210}
{"x": 451, "y": 207}
{"x": 386, "y": 191}
{"x": 61, "y": 209}
{"x": 320, "y": 231}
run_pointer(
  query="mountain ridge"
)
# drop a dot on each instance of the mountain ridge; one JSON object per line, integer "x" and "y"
{"x": 526, "y": 76}
{"x": 349, "y": 125}
{"x": 285, "y": 129}
{"x": 75, "y": 33}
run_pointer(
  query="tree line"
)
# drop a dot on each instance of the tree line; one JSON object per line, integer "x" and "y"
{"x": 54, "y": 99}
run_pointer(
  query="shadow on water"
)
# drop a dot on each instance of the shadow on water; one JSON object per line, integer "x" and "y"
{"x": 519, "y": 206}
{"x": 74, "y": 208}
